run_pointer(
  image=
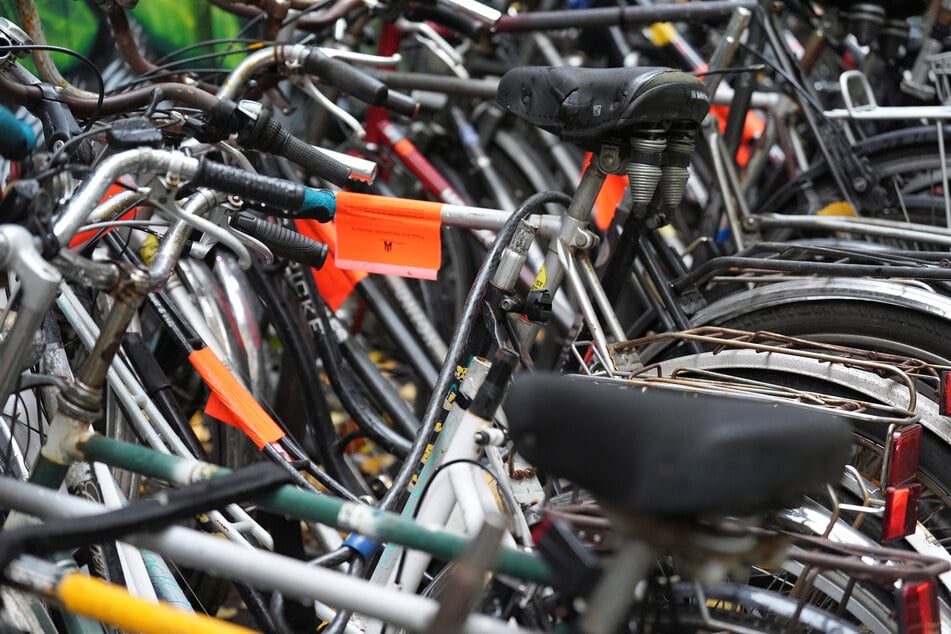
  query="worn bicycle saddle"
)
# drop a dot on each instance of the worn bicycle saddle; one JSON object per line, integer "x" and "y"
{"x": 586, "y": 105}
{"x": 667, "y": 453}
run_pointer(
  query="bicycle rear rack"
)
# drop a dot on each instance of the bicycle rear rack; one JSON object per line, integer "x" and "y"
{"x": 900, "y": 372}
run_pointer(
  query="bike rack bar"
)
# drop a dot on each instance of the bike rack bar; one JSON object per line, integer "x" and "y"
{"x": 367, "y": 521}
{"x": 621, "y": 16}
{"x": 289, "y": 576}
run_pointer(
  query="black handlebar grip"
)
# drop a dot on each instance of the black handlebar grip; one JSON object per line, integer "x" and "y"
{"x": 401, "y": 104}
{"x": 350, "y": 80}
{"x": 447, "y": 18}
{"x": 264, "y": 189}
{"x": 268, "y": 135}
{"x": 282, "y": 241}
{"x": 315, "y": 161}
{"x": 292, "y": 198}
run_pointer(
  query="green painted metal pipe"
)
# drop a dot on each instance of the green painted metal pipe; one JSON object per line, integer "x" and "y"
{"x": 288, "y": 500}
{"x": 47, "y": 473}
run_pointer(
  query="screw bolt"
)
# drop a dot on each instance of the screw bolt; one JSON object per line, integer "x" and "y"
{"x": 508, "y": 304}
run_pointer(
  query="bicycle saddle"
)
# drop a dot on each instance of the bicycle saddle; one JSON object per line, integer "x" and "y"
{"x": 675, "y": 454}
{"x": 584, "y": 105}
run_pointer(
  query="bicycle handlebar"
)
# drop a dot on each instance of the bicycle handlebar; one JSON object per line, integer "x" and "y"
{"x": 346, "y": 77}
{"x": 257, "y": 131}
{"x": 446, "y": 17}
{"x": 357, "y": 83}
{"x": 282, "y": 241}
{"x": 296, "y": 199}
{"x": 263, "y": 133}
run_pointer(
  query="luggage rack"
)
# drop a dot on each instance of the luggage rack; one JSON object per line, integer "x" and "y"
{"x": 676, "y": 374}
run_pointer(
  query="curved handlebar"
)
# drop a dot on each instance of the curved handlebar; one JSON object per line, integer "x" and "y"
{"x": 296, "y": 199}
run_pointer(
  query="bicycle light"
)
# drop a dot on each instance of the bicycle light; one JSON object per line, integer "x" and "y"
{"x": 904, "y": 449}
{"x": 901, "y": 511}
{"x": 901, "y": 494}
{"x": 944, "y": 394}
{"x": 919, "y": 608}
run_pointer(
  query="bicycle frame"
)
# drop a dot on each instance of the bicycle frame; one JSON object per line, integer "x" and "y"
{"x": 446, "y": 434}
{"x": 289, "y": 576}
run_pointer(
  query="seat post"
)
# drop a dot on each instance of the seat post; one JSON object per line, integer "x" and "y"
{"x": 614, "y": 593}
{"x": 574, "y": 224}
{"x": 655, "y": 158}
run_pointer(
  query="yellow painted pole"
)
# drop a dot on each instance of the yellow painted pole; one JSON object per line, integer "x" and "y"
{"x": 113, "y": 605}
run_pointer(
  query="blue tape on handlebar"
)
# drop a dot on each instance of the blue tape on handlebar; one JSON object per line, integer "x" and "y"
{"x": 17, "y": 138}
{"x": 363, "y": 545}
{"x": 320, "y": 199}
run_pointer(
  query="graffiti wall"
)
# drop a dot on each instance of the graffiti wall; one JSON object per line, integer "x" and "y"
{"x": 163, "y": 26}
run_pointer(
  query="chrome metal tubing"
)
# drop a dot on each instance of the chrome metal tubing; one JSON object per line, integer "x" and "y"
{"x": 39, "y": 281}
{"x": 75, "y": 215}
{"x": 260, "y": 568}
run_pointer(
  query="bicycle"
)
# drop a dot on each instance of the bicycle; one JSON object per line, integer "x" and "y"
{"x": 554, "y": 259}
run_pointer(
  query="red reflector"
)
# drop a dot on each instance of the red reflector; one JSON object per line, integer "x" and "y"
{"x": 919, "y": 608}
{"x": 901, "y": 511}
{"x": 944, "y": 394}
{"x": 903, "y": 460}
{"x": 539, "y": 530}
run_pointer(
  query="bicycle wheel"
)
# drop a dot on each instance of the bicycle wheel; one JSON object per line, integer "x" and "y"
{"x": 908, "y": 165}
{"x": 733, "y": 605}
{"x": 935, "y": 460}
{"x": 879, "y": 315}
{"x": 881, "y": 327}
{"x": 934, "y": 511}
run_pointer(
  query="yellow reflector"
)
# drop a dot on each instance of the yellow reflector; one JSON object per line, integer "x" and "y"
{"x": 838, "y": 208}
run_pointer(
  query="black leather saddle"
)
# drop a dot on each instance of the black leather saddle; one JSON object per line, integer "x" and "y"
{"x": 675, "y": 454}
{"x": 586, "y": 105}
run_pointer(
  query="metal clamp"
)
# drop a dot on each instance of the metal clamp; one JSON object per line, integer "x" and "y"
{"x": 173, "y": 173}
{"x": 12, "y": 35}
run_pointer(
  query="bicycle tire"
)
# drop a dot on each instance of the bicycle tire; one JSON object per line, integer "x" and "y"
{"x": 731, "y": 601}
{"x": 904, "y": 155}
{"x": 935, "y": 450}
{"x": 880, "y": 327}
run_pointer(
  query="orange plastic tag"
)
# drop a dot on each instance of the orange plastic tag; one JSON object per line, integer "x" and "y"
{"x": 231, "y": 403}
{"x": 753, "y": 127}
{"x": 393, "y": 236}
{"x": 334, "y": 284}
{"x": 608, "y": 199}
{"x": 612, "y": 191}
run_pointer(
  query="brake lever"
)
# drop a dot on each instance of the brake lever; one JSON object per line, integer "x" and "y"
{"x": 437, "y": 45}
